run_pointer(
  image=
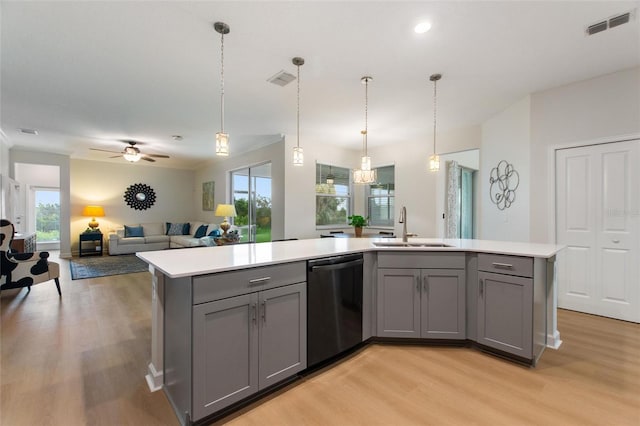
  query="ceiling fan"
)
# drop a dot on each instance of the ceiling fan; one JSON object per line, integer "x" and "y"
{"x": 132, "y": 153}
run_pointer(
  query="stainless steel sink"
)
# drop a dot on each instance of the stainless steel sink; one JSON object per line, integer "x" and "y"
{"x": 401, "y": 244}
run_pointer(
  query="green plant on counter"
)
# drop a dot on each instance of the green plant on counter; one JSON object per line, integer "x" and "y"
{"x": 358, "y": 221}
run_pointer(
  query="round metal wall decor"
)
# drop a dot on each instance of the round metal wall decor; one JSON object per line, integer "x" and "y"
{"x": 503, "y": 181}
{"x": 140, "y": 196}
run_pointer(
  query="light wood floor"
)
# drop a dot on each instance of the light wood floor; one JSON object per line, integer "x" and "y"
{"x": 81, "y": 360}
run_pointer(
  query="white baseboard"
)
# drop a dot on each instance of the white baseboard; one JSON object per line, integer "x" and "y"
{"x": 553, "y": 341}
{"x": 155, "y": 381}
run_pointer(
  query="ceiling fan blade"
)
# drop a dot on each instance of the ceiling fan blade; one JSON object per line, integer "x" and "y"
{"x": 105, "y": 150}
{"x": 157, "y": 155}
{"x": 115, "y": 156}
{"x": 144, "y": 157}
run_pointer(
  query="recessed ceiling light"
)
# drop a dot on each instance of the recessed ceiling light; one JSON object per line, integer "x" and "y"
{"x": 422, "y": 27}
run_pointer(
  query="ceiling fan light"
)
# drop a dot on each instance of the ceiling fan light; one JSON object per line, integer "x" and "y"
{"x": 222, "y": 144}
{"x": 132, "y": 157}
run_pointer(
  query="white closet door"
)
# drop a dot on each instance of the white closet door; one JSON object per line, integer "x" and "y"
{"x": 598, "y": 219}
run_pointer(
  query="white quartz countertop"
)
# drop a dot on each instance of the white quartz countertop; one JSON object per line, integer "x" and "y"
{"x": 206, "y": 260}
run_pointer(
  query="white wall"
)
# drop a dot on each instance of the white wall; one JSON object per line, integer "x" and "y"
{"x": 4, "y": 174}
{"x": 506, "y": 136}
{"x": 103, "y": 183}
{"x": 601, "y": 107}
{"x": 218, "y": 170}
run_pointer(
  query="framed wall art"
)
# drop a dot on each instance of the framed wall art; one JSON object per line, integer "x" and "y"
{"x": 208, "y": 193}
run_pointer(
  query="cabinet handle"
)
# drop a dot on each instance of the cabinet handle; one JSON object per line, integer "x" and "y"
{"x": 502, "y": 265}
{"x": 425, "y": 281}
{"x": 481, "y": 287}
{"x": 254, "y": 316}
{"x": 264, "y": 310}
{"x": 259, "y": 280}
{"x": 418, "y": 284}
{"x": 615, "y": 241}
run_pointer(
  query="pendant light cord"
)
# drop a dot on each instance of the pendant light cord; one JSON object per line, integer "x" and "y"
{"x": 435, "y": 82}
{"x": 366, "y": 111}
{"x": 222, "y": 84}
{"x": 298, "y": 112}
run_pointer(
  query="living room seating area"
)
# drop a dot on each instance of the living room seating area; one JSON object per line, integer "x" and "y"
{"x": 162, "y": 235}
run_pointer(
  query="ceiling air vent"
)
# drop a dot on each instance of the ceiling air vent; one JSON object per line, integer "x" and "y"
{"x": 619, "y": 20}
{"x": 596, "y": 28}
{"x": 28, "y": 131}
{"x": 610, "y": 23}
{"x": 282, "y": 78}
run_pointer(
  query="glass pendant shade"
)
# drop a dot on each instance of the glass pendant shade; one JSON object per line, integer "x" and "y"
{"x": 365, "y": 164}
{"x": 364, "y": 176}
{"x": 222, "y": 144}
{"x": 298, "y": 156}
{"x": 434, "y": 163}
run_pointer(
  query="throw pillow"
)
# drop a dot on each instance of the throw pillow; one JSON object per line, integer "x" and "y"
{"x": 133, "y": 231}
{"x": 175, "y": 228}
{"x": 186, "y": 229}
{"x": 201, "y": 232}
{"x": 215, "y": 233}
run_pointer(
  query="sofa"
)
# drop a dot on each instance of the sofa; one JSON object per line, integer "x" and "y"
{"x": 162, "y": 235}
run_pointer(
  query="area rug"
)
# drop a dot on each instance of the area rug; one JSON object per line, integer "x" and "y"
{"x": 102, "y": 266}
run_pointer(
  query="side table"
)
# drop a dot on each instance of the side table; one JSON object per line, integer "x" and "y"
{"x": 91, "y": 249}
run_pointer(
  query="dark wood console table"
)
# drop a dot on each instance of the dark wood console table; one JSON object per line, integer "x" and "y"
{"x": 24, "y": 243}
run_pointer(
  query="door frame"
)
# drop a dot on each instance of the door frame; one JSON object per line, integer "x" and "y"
{"x": 554, "y": 341}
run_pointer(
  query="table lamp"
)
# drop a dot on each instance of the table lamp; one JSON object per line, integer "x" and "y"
{"x": 226, "y": 210}
{"x": 93, "y": 212}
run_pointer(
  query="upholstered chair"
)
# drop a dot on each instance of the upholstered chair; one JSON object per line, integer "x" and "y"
{"x": 19, "y": 270}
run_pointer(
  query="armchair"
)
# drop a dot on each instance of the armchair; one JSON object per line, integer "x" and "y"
{"x": 19, "y": 270}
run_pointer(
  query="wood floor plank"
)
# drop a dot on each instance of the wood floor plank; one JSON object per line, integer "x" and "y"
{"x": 81, "y": 360}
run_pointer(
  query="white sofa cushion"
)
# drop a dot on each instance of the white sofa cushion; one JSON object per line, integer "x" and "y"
{"x": 152, "y": 229}
{"x": 156, "y": 238}
{"x": 132, "y": 240}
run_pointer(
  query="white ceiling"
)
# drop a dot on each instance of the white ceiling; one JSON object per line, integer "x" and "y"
{"x": 88, "y": 73}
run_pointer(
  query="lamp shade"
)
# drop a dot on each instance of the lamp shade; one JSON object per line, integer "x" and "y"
{"x": 226, "y": 210}
{"x": 93, "y": 211}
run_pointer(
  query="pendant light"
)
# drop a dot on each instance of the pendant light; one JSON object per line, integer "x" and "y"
{"x": 330, "y": 177}
{"x": 434, "y": 160}
{"x": 364, "y": 175}
{"x": 298, "y": 156}
{"x": 222, "y": 138}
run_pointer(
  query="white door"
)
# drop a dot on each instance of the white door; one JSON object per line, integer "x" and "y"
{"x": 598, "y": 219}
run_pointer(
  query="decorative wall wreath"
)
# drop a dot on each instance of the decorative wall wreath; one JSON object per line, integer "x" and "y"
{"x": 140, "y": 196}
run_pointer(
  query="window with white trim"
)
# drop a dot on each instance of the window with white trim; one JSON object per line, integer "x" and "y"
{"x": 380, "y": 198}
{"x": 333, "y": 195}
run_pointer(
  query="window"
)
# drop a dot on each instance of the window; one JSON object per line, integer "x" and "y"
{"x": 333, "y": 199}
{"x": 380, "y": 198}
{"x": 251, "y": 192}
{"x": 47, "y": 211}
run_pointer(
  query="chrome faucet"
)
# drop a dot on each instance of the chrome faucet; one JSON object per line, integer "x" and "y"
{"x": 403, "y": 221}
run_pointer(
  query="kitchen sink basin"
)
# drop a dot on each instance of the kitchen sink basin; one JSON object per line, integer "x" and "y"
{"x": 408, "y": 244}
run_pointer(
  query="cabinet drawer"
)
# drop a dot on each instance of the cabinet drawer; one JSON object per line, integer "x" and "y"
{"x": 421, "y": 260}
{"x": 228, "y": 284}
{"x": 503, "y": 264}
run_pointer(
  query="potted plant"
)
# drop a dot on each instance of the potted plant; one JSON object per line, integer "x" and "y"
{"x": 358, "y": 222}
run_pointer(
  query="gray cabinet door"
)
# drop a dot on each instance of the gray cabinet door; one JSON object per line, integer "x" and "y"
{"x": 225, "y": 353}
{"x": 505, "y": 313}
{"x": 398, "y": 302}
{"x": 283, "y": 333}
{"x": 443, "y": 304}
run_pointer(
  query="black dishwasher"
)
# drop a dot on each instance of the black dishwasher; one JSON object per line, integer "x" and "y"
{"x": 334, "y": 306}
